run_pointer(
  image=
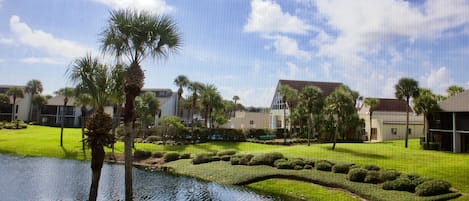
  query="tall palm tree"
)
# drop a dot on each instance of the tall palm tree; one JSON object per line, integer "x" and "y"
{"x": 313, "y": 102}
{"x": 39, "y": 101}
{"x": 407, "y": 88}
{"x": 371, "y": 103}
{"x": 235, "y": 100}
{"x": 340, "y": 103}
{"x": 15, "y": 92}
{"x": 117, "y": 98}
{"x": 454, "y": 89}
{"x": 195, "y": 87}
{"x": 136, "y": 35}
{"x": 95, "y": 79}
{"x": 67, "y": 93}
{"x": 288, "y": 94}
{"x": 83, "y": 99}
{"x": 34, "y": 87}
{"x": 180, "y": 81}
{"x": 425, "y": 104}
{"x": 211, "y": 99}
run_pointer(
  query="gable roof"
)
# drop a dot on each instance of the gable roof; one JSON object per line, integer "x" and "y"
{"x": 392, "y": 105}
{"x": 59, "y": 101}
{"x": 326, "y": 87}
{"x": 456, "y": 103}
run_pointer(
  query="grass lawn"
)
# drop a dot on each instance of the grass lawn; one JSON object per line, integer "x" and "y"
{"x": 44, "y": 141}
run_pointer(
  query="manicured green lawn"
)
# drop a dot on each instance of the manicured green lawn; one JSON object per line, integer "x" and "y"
{"x": 44, "y": 141}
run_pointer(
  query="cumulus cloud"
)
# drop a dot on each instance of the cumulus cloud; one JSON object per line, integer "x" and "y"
{"x": 7, "y": 41}
{"x": 285, "y": 45}
{"x": 251, "y": 96}
{"x": 158, "y": 6}
{"x": 56, "y": 47}
{"x": 267, "y": 17}
{"x": 43, "y": 60}
{"x": 437, "y": 80}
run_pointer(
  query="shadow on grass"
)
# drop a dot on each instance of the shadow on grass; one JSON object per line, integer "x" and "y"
{"x": 276, "y": 196}
{"x": 356, "y": 153}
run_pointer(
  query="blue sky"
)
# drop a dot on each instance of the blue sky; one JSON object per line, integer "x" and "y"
{"x": 245, "y": 46}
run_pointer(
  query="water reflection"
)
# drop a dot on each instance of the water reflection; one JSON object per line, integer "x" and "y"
{"x": 55, "y": 179}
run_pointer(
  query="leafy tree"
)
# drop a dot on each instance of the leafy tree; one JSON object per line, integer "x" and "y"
{"x": 407, "y": 88}
{"x": 371, "y": 103}
{"x": 136, "y": 35}
{"x": 211, "y": 99}
{"x": 171, "y": 126}
{"x": 425, "y": 104}
{"x": 181, "y": 81}
{"x": 454, "y": 89}
{"x": 94, "y": 79}
{"x": 38, "y": 101}
{"x": 67, "y": 93}
{"x": 312, "y": 101}
{"x": 15, "y": 92}
{"x": 341, "y": 104}
{"x": 288, "y": 94}
{"x": 4, "y": 99}
{"x": 34, "y": 87}
{"x": 147, "y": 106}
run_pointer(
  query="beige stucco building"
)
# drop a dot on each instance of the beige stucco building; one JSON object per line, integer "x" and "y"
{"x": 247, "y": 120}
{"x": 389, "y": 121}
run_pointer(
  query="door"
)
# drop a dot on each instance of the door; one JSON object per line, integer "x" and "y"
{"x": 374, "y": 134}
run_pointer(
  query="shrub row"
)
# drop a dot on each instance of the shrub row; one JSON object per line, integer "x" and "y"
{"x": 167, "y": 156}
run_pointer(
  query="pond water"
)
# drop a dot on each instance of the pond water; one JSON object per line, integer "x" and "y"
{"x": 48, "y": 179}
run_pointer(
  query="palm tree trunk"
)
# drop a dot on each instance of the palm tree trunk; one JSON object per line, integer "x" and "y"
{"x": 62, "y": 125}
{"x": 310, "y": 127}
{"x": 371, "y": 127}
{"x": 336, "y": 132}
{"x": 115, "y": 124}
{"x": 31, "y": 110}
{"x": 285, "y": 124}
{"x": 13, "y": 109}
{"x": 129, "y": 115}
{"x": 97, "y": 159}
{"x": 83, "y": 123}
{"x": 407, "y": 123}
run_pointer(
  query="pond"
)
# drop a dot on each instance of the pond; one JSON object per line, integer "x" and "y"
{"x": 37, "y": 178}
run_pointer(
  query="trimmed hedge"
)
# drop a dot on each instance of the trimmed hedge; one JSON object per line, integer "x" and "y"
{"x": 241, "y": 159}
{"x": 265, "y": 159}
{"x": 371, "y": 167}
{"x": 357, "y": 174}
{"x": 171, "y": 156}
{"x": 341, "y": 168}
{"x": 323, "y": 165}
{"x": 400, "y": 184}
{"x": 388, "y": 175}
{"x": 228, "y": 152}
{"x": 185, "y": 156}
{"x": 140, "y": 154}
{"x": 157, "y": 154}
{"x": 433, "y": 187}
{"x": 225, "y": 158}
{"x": 372, "y": 177}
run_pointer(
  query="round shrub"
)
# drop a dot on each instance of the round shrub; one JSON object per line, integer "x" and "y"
{"x": 152, "y": 139}
{"x": 298, "y": 167}
{"x": 357, "y": 174}
{"x": 420, "y": 180}
{"x": 372, "y": 177}
{"x": 285, "y": 165}
{"x": 433, "y": 187}
{"x": 157, "y": 154}
{"x": 297, "y": 162}
{"x": 323, "y": 165}
{"x": 216, "y": 158}
{"x": 308, "y": 167}
{"x": 201, "y": 158}
{"x": 171, "y": 156}
{"x": 388, "y": 175}
{"x": 225, "y": 158}
{"x": 228, "y": 152}
{"x": 140, "y": 154}
{"x": 185, "y": 156}
{"x": 265, "y": 159}
{"x": 309, "y": 162}
{"x": 244, "y": 159}
{"x": 278, "y": 161}
{"x": 234, "y": 160}
{"x": 399, "y": 184}
{"x": 371, "y": 167}
{"x": 341, "y": 168}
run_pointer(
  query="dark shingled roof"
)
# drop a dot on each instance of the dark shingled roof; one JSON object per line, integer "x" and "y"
{"x": 392, "y": 105}
{"x": 326, "y": 87}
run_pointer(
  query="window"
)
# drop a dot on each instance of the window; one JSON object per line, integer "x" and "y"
{"x": 394, "y": 131}
{"x": 410, "y": 131}
{"x": 251, "y": 122}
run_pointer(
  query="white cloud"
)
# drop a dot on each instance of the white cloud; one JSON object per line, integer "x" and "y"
{"x": 285, "y": 45}
{"x": 437, "y": 80}
{"x": 368, "y": 23}
{"x": 158, "y": 6}
{"x": 7, "y": 41}
{"x": 42, "y": 40}
{"x": 43, "y": 60}
{"x": 267, "y": 17}
{"x": 258, "y": 97}
{"x": 293, "y": 72}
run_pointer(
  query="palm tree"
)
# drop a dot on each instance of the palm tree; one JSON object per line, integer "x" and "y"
{"x": 95, "y": 79}
{"x": 67, "y": 93}
{"x": 83, "y": 99}
{"x": 371, "y": 103}
{"x": 425, "y": 104}
{"x": 195, "y": 87}
{"x": 117, "y": 97}
{"x": 341, "y": 103}
{"x": 407, "y": 88}
{"x": 454, "y": 89}
{"x": 180, "y": 81}
{"x": 15, "y": 92}
{"x": 38, "y": 101}
{"x": 34, "y": 87}
{"x": 4, "y": 100}
{"x": 136, "y": 35}
{"x": 288, "y": 94}
{"x": 235, "y": 100}
{"x": 211, "y": 99}
{"x": 313, "y": 102}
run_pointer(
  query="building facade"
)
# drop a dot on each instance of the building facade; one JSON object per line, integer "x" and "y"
{"x": 389, "y": 121}
{"x": 247, "y": 120}
{"x": 21, "y": 107}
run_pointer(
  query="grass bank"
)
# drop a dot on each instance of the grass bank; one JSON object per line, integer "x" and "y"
{"x": 44, "y": 141}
